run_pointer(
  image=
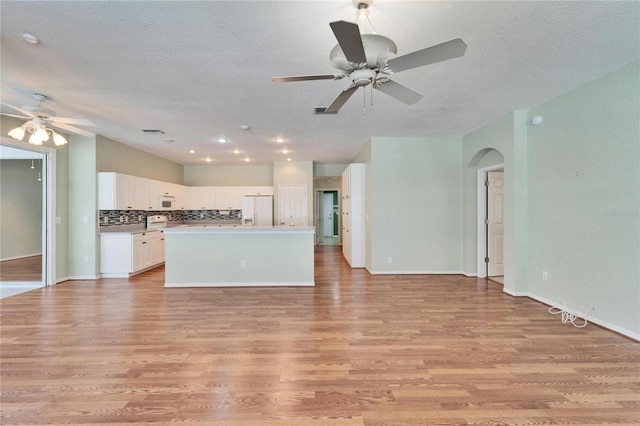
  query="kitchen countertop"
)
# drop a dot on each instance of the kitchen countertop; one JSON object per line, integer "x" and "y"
{"x": 225, "y": 229}
{"x": 141, "y": 228}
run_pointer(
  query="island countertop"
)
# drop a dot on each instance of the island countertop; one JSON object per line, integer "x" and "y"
{"x": 232, "y": 229}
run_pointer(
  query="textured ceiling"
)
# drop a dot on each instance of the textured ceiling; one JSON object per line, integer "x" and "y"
{"x": 200, "y": 70}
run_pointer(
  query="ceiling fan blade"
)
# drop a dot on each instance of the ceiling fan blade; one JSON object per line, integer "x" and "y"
{"x": 400, "y": 92}
{"x": 67, "y": 120}
{"x": 23, "y": 111}
{"x": 430, "y": 55}
{"x": 303, "y": 78}
{"x": 341, "y": 99}
{"x": 15, "y": 116}
{"x": 72, "y": 129}
{"x": 348, "y": 36}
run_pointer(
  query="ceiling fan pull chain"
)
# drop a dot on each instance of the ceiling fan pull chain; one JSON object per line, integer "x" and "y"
{"x": 371, "y": 94}
{"x": 364, "y": 102}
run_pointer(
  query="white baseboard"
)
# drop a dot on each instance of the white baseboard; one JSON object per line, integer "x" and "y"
{"x": 590, "y": 318}
{"x": 415, "y": 272}
{"x": 241, "y": 284}
{"x": 83, "y": 277}
{"x": 24, "y": 256}
{"x": 470, "y": 274}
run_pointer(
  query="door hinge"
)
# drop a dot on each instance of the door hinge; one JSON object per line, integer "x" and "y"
{"x": 486, "y": 221}
{"x": 486, "y": 182}
{"x": 486, "y": 260}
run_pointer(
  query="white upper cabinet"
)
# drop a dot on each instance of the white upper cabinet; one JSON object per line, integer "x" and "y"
{"x": 229, "y": 197}
{"x": 118, "y": 192}
{"x": 202, "y": 197}
{"x": 258, "y": 190}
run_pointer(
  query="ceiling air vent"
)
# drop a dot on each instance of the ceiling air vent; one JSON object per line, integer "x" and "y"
{"x": 153, "y": 131}
{"x": 322, "y": 110}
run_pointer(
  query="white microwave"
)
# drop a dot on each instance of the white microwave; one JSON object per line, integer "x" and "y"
{"x": 166, "y": 202}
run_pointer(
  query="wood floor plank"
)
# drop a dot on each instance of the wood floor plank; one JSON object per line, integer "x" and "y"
{"x": 356, "y": 349}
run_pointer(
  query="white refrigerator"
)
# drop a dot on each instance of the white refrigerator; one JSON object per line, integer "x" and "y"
{"x": 257, "y": 210}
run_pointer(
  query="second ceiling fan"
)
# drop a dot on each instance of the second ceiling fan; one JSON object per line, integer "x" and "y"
{"x": 369, "y": 59}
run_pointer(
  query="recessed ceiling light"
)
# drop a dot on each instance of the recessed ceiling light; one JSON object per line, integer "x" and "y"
{"x": 30, "y": 38}
{"x": 236, "y": 151}
{"x": 247, "y": 159}
{"x": 191, "y": 151}
{"x": 279, "y": 140}
{"x": 222, "y": 140}
{"x": 208, "y": 160}
{"x": 245, "y": 127}
{"x": 288, "y": 159}
{"x": 285, "y": 151}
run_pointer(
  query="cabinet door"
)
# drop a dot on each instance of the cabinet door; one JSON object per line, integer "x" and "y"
{"x": 203, "y": 197}
{"x": 107, "y": 191}
{"x": 258, "y": 190}
{"x": 229, "y": 197}
{"x": 139, "y": 252}
{"x": 157, "y": 248}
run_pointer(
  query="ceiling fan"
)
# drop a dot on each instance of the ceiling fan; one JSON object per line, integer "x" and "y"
{"x": 369, "y": 59}
{"x": 39, "y": 118}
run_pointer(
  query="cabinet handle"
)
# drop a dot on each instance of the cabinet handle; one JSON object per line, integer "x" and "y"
{"x": 144, "y": 242}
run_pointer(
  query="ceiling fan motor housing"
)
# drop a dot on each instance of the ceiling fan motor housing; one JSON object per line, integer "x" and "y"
{"x": 362, "y": 77}
{"x": 377, "y": 48}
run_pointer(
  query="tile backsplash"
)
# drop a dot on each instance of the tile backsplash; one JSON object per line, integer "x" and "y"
{"x": 139, "y": 217}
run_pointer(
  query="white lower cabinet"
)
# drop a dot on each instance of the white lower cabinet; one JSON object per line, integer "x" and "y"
{"x": 123, "y": 255}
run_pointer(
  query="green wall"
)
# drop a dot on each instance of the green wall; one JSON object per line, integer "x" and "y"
{"x": 110, "y": 155}
{"x": 20, "y": 208}
{"x": 84, "y": 253}
{"x": 584, "y": 198}
{"x": 229, "y": 175}
{"x": 414, "y": 205}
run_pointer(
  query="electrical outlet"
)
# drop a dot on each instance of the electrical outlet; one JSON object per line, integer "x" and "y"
{"x": 86, "y": 259}
{"x": 243, "y": 263}
{"x": 126, "y": 219}
{"x": 545, "y": 276}
{"x": 201, "y": 215}
{"x": 389, "y": 259}
{"x": 106, "y": 219}
{"x": 139, "y": 218}
{"x": 121, "y": 219}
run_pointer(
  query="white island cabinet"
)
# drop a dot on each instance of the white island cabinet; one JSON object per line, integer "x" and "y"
{"x": 123, "y": 254}
{"x": 211, "y": 256}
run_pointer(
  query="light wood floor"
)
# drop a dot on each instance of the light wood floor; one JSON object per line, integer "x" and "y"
{"x": 24, "y": 269}
{"x": 355, "y": 350}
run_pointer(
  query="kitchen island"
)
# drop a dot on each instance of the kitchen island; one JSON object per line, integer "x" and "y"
{"x": 228, "y": 256}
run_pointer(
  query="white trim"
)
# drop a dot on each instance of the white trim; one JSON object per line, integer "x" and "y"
{"x": 416, "y": 272}
{"x": 48, "y": 205}
{"x": 481, "y": 176}
{"x": 62, "y": 279}
{"x": 590, "y": 318}
{"x": 83, "y": 277}
{"x": 242, "y": 284}
{"x": 469, "y": 274}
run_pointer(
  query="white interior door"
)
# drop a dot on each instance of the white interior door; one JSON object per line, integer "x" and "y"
{"x": 495, "y": 218}
{"x": 292, "y": 205}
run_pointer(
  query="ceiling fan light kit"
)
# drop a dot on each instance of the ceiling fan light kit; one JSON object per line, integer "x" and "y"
{"x": 369, "y": 59}
{"x": 38, "y": 117}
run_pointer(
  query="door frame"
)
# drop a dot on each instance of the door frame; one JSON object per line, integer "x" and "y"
{"x": 316, "y": 210}
{"x": 48, "y": 205}
{"x": 481, "y": 216}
